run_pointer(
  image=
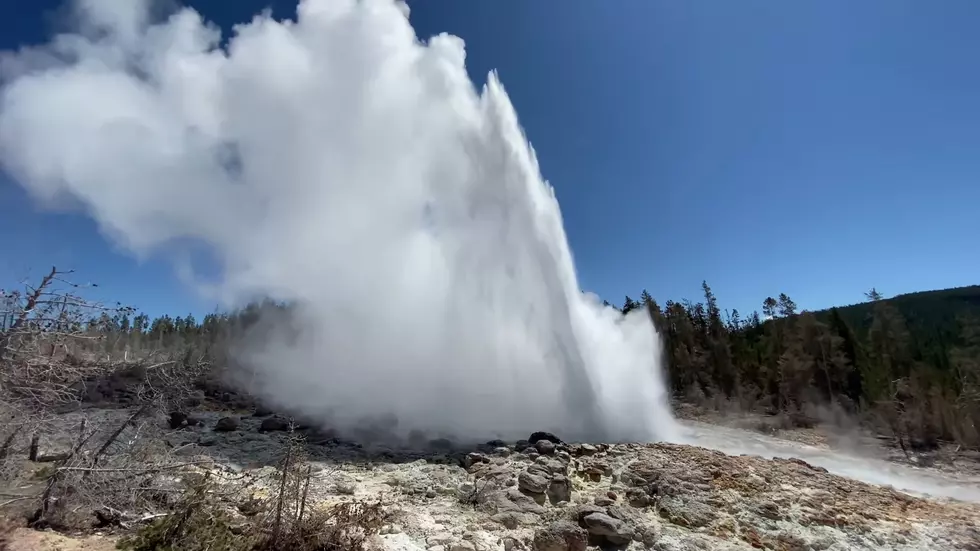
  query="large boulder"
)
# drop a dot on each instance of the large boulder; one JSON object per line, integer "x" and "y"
{"x": 180, "y": 419}
{"x": 274, "y": 424}
{"x": 533, "y": 482}
{"x": 512, "y": 500}
{"x": 262, "y": 411}
{"x": 537, "y": 436}
{"x": 227, "y": 424}
{"x": 545, "y": 447}
{"x": 613, "y": 529}
{"x": 561, "y": 536}
{"x": 560, "y": 489}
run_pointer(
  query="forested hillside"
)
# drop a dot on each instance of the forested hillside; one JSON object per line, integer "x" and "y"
{"x": 912, "y": 363}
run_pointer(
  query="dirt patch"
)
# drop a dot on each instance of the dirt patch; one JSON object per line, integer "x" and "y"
{"x": 23, "y": 539}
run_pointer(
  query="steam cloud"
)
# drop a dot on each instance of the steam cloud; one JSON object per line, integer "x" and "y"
{"x": 339, "y": 163}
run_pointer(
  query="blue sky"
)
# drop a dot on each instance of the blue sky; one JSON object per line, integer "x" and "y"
{"x": 817, "y": 148}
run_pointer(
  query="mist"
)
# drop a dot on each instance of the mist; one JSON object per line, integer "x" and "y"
{"x": 344, "y": 165}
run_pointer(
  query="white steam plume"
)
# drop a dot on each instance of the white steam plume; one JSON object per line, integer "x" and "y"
{"x": 339, "y": 163}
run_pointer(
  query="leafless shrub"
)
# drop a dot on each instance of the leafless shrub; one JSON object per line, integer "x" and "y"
{"x": 205, "y": 518}
{"x": 54, "y": 353}
{"x": 48, "y": 345}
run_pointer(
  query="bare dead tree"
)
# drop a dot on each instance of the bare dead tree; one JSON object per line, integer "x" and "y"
{"x": 52, "y": 346}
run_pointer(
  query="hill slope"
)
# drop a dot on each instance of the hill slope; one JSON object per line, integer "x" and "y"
{"x": 929, "y": 312}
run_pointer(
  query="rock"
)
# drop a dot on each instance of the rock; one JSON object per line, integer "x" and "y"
{"x": 587, "y": 449}
{"x": 579, "y": 512}
{"x": 439, "y": 539}
{"x": 52, "y": 456}
{"x": 522, "y": 445}
{"x": 769, "y": 510}
{"x": 548, "y": 465}
{"x": 502, "y": 451}
{"x": 561, "y": 536}
{"x": 560, "y": 489}
{"x": 624, "y": 514}
{"x": 274, "y": 424}
{"x": 178, "y": 419}
{"x": 510, "y": 543}
{"x": 462, "y": 546}
{"x": 637, "y": 497}
{"x": 545, "y": 447}
{"x": 614, "y": 530}
{"x": 513, "y": 501}
{"x": 496, "y": 443}
{"x": 227, "y": 424}
{"x": 262, "y": 411}
{"x": 686, "y": 513}
{"x": 532, "y": 482}
{"x": 603, "y": 501}
{"x": 474, "y": 458}
{"x": 666, "y": 485}
{"x": 648, "y": 534}
{"x": 536, "y": 436}
{"x": 510, "y": 520}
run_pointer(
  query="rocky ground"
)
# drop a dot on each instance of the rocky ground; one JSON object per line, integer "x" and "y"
{"x": 547, "y": 495}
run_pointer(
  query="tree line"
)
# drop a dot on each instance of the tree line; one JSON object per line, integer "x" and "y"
{"x": 919, "y": 380}
{"x": 911, "y": 365}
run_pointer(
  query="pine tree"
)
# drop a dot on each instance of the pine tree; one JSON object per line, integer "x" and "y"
{"x": 769, "y": 308}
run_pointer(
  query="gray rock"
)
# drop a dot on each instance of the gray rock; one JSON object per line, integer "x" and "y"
{"x": 540, "y": 467}
{"x": 551, "y": 465}
{"x": 274, "y": 424}
{"x": 531, "y": 482}
{"x": 614, "y": 530}
{"x": 648, "y": 534}
{"x": 579, "y": 512}
{"x": 509, "y": 520}
{"x": 462, "y": 546}
{"x": 560, "y": 489}
{"x": 512, "y": 500}
{"x": 769, "y": 510}
{"x": 540, "y": 435}
{"x": 227, "y": 424}
{"x": 637, "y": 497}
{"x": 512, "y": 520}
{"x": 179, "y": 419}
{"x": 474, "y": 458}
{"x": 587, "y": 449}
{"x": 545, "y": 447}
{"x": 561, "y": 536}
{"x": 687, "y": 513}
{"x": 439, "y": 539}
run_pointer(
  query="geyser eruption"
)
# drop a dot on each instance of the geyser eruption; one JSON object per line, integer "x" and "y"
{"x": 338, "y": 163}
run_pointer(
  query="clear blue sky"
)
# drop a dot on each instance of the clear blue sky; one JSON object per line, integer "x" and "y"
{"x": 817, "y": 148}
